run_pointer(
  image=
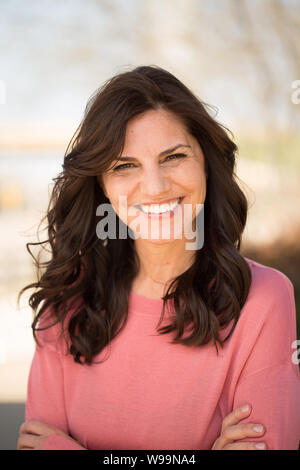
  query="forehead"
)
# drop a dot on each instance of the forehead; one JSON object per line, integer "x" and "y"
{"x": 154, "y": 131}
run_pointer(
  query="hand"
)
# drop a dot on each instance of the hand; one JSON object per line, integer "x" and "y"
{"x": 33, "y": 433}
{"x": 231, "y": 431}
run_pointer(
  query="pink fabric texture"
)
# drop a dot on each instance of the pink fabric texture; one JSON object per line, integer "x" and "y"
{"x": 151, "y": 394}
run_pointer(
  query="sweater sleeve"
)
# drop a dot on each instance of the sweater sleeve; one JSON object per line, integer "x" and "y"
{"x": 274, "y": 394}
{"x": 270, "y": 379}
{"x": 45, "y": 393}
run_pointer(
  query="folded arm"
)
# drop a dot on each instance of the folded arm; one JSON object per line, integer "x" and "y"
{"x": 45, "y": 400}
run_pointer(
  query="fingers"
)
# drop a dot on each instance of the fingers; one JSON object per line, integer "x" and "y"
{"x": 241, "y": 431}
{"x": 232, "y": 431}
{"x": 33, "y": 426}
{"x": 236, "y": 415}
{"x": 246, "y": 446}
{"x": 28, "y": 441}
{"x": 33, "y": 434}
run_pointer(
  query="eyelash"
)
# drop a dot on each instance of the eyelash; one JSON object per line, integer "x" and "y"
{"x": 123, "y": 166}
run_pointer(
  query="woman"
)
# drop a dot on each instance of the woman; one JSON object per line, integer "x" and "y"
{"x": 104, "y": 375}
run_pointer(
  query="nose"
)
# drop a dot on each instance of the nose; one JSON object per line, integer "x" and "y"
{"x": 154, "y": 182}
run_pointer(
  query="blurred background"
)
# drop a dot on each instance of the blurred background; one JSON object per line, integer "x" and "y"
{"x": 242, "y": 57}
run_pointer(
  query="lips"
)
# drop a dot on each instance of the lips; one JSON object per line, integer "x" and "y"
{"x": 161, "y": 215}
{"x": 160, "y": 203}
{"x": 160, "y": 208}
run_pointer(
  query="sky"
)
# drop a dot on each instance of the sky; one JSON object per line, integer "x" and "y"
{"x": 54, "y": 55}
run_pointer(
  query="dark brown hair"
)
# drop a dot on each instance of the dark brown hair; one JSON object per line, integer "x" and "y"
{"x": 208, "y": 295}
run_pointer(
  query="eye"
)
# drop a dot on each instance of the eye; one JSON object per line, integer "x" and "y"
{"x": 124, "y": 166}
{"x": 177, "y": 155}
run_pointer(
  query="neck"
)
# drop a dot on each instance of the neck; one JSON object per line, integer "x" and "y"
{"x": 160, "y": 263}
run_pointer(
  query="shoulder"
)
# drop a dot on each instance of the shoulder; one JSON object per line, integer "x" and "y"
{"x": 268, "y": 282}
{"x": 265, "y": 334}
{"x": 267, "y": 325}
{"x": 271, "y": 294}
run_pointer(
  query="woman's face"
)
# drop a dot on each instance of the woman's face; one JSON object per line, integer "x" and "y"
{"x": 161, "y": 162}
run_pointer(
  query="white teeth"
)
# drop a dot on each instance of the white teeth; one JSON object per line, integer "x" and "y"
{"x": 159, "y": 209}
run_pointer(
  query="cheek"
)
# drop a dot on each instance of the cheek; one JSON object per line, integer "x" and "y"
{"x": 194, "y": 180}
{"x": 114, "y": 189}
{"x": 117, "y": 193}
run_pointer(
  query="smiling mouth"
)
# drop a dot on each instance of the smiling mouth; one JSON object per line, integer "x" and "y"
{"x": 159, "y": 208}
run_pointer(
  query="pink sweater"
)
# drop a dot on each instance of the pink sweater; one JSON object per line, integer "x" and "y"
{"x": 150, "y": 394}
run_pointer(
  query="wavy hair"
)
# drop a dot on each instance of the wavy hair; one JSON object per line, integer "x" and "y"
{"x": 208, "y": 295}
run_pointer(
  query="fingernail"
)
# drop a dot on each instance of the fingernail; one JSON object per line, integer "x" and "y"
{"x": 245, "y": 408}
{"x": 258, "y": 428}
{"x": 260, "y": 445}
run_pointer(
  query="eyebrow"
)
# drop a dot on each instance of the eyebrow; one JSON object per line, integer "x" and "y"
{"x": 163, "y": 153}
